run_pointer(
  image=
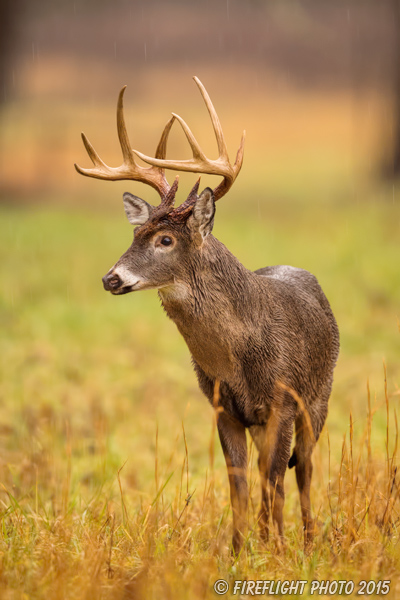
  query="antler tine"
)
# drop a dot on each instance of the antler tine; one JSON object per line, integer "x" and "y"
{"x": 193, "y": 165}
{"x": 161, "y": 151}
{"x": 153, "y": 175}
{"x": 198, "y": 154}
{"x": 127, "y": 153}
{"x": 225, "y": 184}
{"x": 99, "y": 165}
{"x": 199, "y": 163}
{"x": 222, "y": 149}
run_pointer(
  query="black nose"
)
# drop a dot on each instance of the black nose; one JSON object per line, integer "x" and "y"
{"x": 111, "y": 282}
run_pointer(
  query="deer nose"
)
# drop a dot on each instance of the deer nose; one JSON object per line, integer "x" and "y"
{"x": 111, "y": 282}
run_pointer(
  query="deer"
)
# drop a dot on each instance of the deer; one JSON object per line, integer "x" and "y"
{"x": 264, "y": 344}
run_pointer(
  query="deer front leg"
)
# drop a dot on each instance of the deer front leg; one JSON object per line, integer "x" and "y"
{"x": 234, "y": 446}
{"x": 274, "y": 446}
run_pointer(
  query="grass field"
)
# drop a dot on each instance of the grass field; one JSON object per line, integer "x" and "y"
{"x": 104, "y": 434}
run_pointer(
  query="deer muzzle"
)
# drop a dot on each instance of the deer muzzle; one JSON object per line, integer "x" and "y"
{"x": 111, "y": 282}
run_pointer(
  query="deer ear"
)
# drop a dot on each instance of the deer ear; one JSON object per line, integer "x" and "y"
{"x": 137, "y": 210}
{"x": 202, "y": 217}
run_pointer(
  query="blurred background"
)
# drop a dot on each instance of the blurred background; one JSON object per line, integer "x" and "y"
{"x": 316, "y": 84}
{"x": 87, "y": 378}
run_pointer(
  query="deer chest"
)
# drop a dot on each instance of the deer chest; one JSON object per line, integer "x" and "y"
{"x": 213, "y": 353}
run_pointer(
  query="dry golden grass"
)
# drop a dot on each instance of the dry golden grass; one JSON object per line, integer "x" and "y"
{"x": 171, "y": 540}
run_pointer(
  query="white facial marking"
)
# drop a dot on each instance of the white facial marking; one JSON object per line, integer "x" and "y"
{"x": 126, "y": 276}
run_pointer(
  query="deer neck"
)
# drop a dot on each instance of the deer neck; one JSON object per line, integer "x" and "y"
{"x": 210, "y": 281}
{"x": 207, "y": 305}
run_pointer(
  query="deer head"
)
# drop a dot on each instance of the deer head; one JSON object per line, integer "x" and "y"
{"x": 166, "y": 238}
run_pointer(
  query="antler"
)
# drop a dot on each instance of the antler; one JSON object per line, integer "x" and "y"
{"x": 155, "y": 174}
{"x": 200, "y": 163}
{"x": 129, "y": 169}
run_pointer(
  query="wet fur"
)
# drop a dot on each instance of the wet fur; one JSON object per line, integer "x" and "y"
{"x": 253, "y": 331}
{"x": 267, "y": 340}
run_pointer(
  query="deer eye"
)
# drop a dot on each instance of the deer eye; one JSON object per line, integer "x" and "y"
{"x": 166, "y": 240}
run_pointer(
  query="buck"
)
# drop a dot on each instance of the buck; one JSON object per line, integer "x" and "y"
{"x": 264, "y": 344}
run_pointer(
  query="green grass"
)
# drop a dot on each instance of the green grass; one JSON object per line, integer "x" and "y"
{"x": 91, "y": 384}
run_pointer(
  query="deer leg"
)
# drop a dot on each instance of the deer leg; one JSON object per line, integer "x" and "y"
{"x": 272, "y": 462}
{"x": 302, "y": 459}
{"x": 265, "y": 439}
{"x": 233, "y": 441}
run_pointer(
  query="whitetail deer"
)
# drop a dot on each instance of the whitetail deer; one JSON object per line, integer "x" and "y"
{"x": 264, "y": 344}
